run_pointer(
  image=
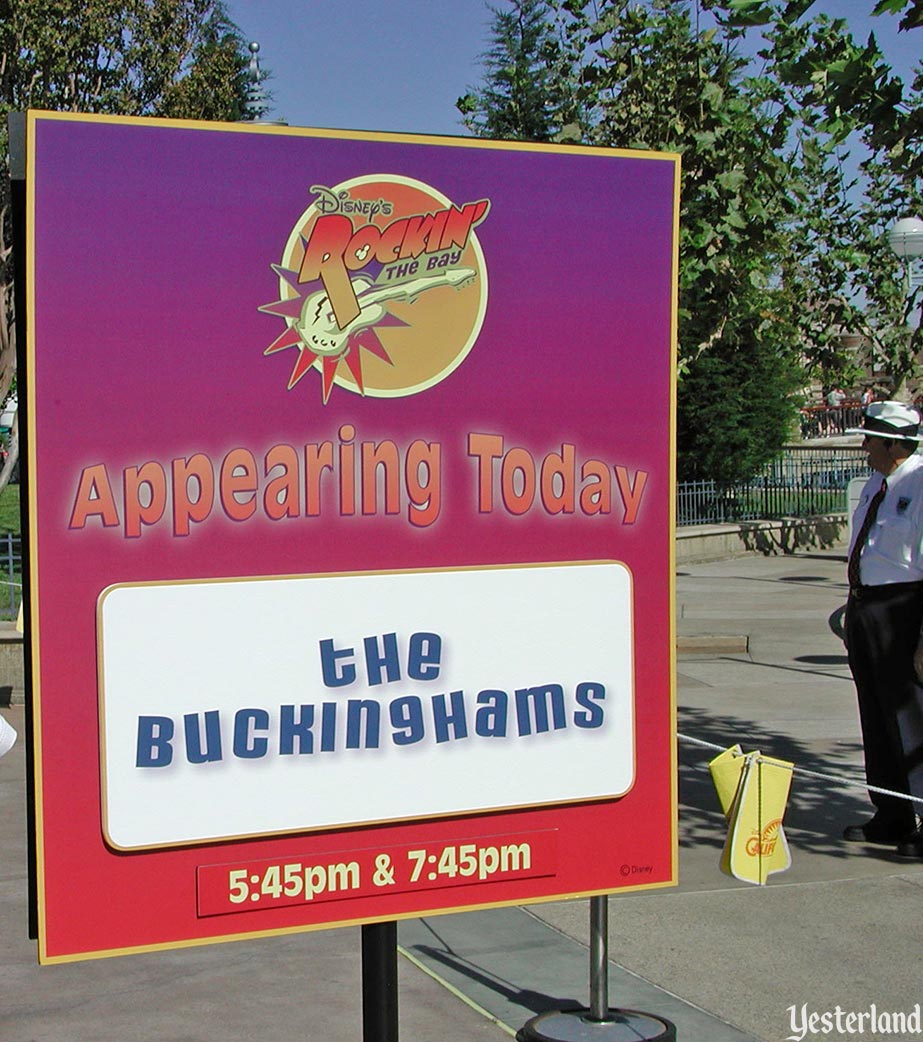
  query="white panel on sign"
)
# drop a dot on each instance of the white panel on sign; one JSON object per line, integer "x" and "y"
{"x": 251, "y": 707}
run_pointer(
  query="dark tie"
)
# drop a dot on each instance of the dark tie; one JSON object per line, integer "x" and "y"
{"x": 852, "y": 569}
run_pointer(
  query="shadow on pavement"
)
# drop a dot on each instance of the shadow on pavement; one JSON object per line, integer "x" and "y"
{"x": 817, "y": 808}
{"x": 528, "y": 1000}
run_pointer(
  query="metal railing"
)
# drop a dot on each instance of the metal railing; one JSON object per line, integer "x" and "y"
{"x": 804, "y": 482}
{"x": 10, "y": 575}
{"x": 829, "y": 421}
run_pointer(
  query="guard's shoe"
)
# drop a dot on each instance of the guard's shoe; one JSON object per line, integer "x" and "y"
{"x": 911, "y": 846}
{"x": 877, "y": 830}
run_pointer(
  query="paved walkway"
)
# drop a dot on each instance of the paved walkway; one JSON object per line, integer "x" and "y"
{"x": 724, "y": 961}
{"x": 843, "y": 925}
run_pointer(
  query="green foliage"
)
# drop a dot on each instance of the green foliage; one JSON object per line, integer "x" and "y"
{"x": 132, "y": 57}
{"x": 526, "y": 95}
{"x": 848, "y": 98}
{"x": 737, "y": 406}
{"x": 645, "y": 78}
{"x": 657, "y": 84}
{"x": 9, "y": 509}
{"x": 911, "y": 11}
{"x": 172, "y": 58}
{"x": 782, "y": 236}
{"x": 852, "y": 88}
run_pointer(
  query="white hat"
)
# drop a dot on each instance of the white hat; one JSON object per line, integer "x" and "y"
{"x": 889, "y": 420}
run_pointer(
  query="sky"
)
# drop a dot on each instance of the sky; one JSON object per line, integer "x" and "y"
{"x": 400, "y": 65}
{"x": 392, "y": 65}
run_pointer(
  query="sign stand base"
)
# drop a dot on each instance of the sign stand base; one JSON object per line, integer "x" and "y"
{"x": 621, "y": 1025}
{"x": 599, "y": 1023}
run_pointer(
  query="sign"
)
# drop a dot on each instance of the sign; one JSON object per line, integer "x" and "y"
{"x": 350, "y": 516}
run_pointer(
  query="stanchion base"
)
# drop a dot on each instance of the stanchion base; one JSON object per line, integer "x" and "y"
{"x": 623, "y": 1025}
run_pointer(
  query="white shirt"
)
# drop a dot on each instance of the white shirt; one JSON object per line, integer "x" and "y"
{"x": 893, "y": 552}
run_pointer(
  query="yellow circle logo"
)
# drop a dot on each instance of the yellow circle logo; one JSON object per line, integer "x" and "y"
{"x": 382, "y": 286}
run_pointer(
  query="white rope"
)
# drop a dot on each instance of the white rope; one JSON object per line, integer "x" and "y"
{"x": 845, "y": 782}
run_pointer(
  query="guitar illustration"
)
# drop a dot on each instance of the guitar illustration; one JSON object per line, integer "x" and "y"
{"x": 317, "y": 325}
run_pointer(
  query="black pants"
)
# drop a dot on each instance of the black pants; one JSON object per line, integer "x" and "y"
{"x": 882, "y": 629}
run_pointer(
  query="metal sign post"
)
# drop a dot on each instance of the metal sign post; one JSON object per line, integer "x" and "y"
{"x": 599, "y": 1023}
{"x": 379, "y": 982}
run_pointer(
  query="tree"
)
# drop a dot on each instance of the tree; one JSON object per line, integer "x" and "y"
{"x": 174, "y": 58}
{"x": 850, "y": 83}
{"x": 856, "y": 104}
{"x": 525, "y": 96}
{"x": 780, "y": 251}
{"x": 735, "y": 397}
{"x": 647, "y": 78}
{"x": 890, "y": 303}
{"x": 658, "y": 83}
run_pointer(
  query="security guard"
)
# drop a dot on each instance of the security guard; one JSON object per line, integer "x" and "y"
{"x": 884, "y": 620}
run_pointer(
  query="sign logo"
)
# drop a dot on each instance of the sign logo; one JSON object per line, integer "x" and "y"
{"x": 763, "y": 844}
{"x": 382, "y": 286}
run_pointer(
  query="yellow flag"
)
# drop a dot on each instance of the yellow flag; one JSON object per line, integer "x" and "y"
{"x": 753, "y": 791}
{"x": 726, "y": 769}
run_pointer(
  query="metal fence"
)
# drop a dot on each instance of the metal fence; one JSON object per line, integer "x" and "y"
{"x": 10, "y": 575}
{"x": 825, "y": 421}
{"x": 804, "y": 482}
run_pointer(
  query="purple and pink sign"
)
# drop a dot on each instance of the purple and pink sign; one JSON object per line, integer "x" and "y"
{"x": 350, "y": 517}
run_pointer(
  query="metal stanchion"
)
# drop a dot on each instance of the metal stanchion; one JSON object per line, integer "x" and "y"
{"x": 379, "y": 982}
{"x": 599, "y": 959}
{"x": 599, "y": 1023}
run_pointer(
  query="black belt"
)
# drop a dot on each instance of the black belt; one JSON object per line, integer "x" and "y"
{"x": 883, "y": 591}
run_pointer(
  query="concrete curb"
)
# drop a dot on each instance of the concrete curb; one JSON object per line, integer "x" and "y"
{"x": 712, "y": 644}
{"x": 697, "y": 544}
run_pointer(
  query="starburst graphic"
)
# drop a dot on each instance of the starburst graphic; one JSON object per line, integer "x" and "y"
{"x": 313, "y": 329}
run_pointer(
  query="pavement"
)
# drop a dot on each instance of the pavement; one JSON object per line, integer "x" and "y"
{"x": 759, "y": 663}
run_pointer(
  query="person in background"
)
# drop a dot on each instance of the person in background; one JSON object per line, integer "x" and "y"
{"x": 833, "y": 417}
{"x": 884, "y": 620}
